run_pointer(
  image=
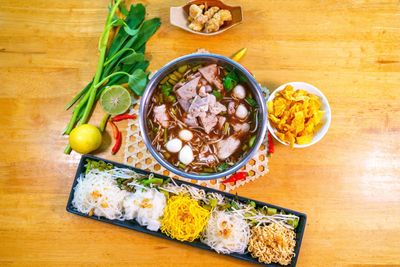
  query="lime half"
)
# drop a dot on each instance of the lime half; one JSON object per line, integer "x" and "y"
{"x": 115, "y": 100}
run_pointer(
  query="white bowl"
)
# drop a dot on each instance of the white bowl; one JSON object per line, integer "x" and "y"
{"x": 326, "y": 120}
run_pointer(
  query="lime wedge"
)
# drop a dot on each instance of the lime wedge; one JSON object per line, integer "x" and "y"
{"x": 115, "y": 100}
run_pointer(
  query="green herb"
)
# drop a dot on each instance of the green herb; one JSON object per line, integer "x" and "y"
{"x": 251, "y": 101}
{"x": 100, "y": 165}
{"x": 123, "y": 62}
{"x": 230, "y": 80}
{"x": 222, "y": 166}
{"x": 166, "y": 89}
{"x": 217, "y": 95}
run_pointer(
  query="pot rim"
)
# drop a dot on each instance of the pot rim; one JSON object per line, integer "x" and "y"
{"x": 151, "y": 86}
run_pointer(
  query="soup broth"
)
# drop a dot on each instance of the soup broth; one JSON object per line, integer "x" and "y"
{"x": 203, "y": 118}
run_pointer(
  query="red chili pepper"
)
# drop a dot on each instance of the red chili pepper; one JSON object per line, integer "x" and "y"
{"x": 271, "y": 148}
{"x": 123, "y": 117}
{"x": 236, "y": 177}
{"x": 117, "y": 144}
{"x": 114, "y": 129}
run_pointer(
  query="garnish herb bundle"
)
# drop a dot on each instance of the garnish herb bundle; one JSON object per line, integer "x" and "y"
{"x": 121, "y": 59}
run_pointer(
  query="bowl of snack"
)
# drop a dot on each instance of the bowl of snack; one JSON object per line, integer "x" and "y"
{"x": 299, "y": 114}
{"x": 206, "y": 17}
{"x": 203, "y": 116}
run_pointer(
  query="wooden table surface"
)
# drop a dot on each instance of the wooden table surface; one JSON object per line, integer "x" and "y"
{"x": 348, "y": 184}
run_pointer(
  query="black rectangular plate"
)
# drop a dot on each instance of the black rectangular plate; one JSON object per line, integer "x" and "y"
{"x": 135, "y": 226}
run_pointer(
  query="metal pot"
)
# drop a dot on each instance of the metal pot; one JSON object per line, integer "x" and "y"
{"x": 203, "y": 59}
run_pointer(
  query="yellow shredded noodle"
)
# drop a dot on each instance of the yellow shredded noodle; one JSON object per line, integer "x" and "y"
{"x": 272, "y": 243}
{"x": 184, "y": 219}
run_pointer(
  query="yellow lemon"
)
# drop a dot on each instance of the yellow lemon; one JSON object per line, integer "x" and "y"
{"x": 85, "y": 138}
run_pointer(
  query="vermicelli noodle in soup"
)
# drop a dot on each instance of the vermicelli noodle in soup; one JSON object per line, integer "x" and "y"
{"x": 203, "y": 118}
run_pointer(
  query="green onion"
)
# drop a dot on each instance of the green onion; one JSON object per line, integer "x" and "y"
{"x": 252, "y": 141}
{"x": 222, "y": 166}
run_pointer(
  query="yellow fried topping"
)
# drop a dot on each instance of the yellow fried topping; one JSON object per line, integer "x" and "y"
{"x": 296, "y": 115}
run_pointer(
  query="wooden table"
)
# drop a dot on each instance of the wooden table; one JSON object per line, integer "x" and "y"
{"x": 348, "y": 184}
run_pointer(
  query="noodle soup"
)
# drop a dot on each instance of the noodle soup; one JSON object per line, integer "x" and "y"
{"x": 203, "y": 118}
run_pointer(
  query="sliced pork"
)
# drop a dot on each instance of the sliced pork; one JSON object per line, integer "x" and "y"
{"x": 188, "y": 90}
{"x": 209, "y": 121}
{"x": 161, "y": 115}
{"x": 226, "y": 147}
{"x": 211, "y": 74}
{"x": 198, "y": 106}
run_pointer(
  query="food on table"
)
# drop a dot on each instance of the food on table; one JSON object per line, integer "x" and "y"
{"x": 296, "y": 115}
{"x": 85, "y": 138}
{"x": 184, "y": 219}
{"x": 203, "y": 118}
{"x": 97, "y": 193}
{"x": 121, "y": 59}
{"x": 115, "y": 100}
{"x": 226, "y": 232}
{"x": 272, "y": 243}
{"x": 209, "y": 19}
{"x": 186, "y": 213}
{"x": 146, "y": 206}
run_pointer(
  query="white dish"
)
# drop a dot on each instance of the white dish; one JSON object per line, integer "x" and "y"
{"x": 325, "y": 107}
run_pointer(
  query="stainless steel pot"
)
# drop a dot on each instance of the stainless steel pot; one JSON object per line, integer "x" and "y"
{"x": 202, "y": 59}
